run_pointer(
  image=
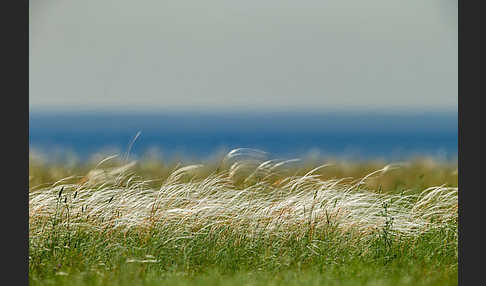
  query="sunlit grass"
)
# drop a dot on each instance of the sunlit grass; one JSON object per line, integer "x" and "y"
{"x": 243, "y": 216}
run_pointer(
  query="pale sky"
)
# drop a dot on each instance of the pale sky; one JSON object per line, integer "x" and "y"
{"x": 252, "y": 54}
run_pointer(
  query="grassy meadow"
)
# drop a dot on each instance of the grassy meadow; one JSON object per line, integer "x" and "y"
{"x": 242, "y": 220}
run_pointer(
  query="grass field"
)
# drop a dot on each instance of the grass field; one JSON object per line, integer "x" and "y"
{"x": 243, "y": 220}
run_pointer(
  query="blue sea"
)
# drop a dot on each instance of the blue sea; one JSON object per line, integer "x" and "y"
{"x": 198, "y": 136}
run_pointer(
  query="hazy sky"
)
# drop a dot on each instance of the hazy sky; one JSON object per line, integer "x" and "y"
{"x": 252, "y": 54}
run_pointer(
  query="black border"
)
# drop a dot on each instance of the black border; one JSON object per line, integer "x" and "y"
{"x": 471, "y": 172}
{"x": 15, "y": 134}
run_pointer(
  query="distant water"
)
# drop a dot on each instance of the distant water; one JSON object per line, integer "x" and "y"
{"x": 199, "y": 136}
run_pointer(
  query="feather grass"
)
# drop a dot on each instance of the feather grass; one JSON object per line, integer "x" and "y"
{"x": 251, "y": 196}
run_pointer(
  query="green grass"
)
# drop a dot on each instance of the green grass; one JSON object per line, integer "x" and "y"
{"x": 237, "y": 224}
{"x": 226, "y": 257}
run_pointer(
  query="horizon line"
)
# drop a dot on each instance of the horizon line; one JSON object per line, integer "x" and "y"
{"x": 241, "y": 111}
